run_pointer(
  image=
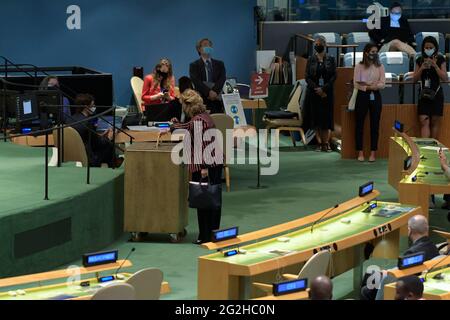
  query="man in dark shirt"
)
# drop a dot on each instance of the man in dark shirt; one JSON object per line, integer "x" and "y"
{"x": 100, "y": 147}
{"x": 409, "y": 288}
{"x": 208, "y": 76}
{"x": 395, "y": 33}
{"x": 418, "y": 242}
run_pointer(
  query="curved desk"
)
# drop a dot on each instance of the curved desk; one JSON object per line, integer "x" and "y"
{"x": 266, "y": 260}
{"x": 65, "y": 290}
{"x": 425, "y": 167}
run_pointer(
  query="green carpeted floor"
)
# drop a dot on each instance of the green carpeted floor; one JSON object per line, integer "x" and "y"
{"x": 23, "y": 172}
{"x": 307, "y": 182}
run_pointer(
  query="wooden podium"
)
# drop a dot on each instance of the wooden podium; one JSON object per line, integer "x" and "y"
{"x": 156, "y": 191}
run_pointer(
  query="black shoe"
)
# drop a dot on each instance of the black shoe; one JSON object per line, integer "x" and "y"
{"x": 197, "y": 242}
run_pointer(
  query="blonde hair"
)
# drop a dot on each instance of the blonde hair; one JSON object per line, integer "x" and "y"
{"x": 192, "y": 103}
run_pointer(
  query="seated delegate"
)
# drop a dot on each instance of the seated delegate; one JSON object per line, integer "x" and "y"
{"x": 419, "y": 241}
{"x": 99, "y": 147}
{"x": 159, "y": 87}
{"x": 321, "y": 288}
{"x": 409, "y": 288}
{"x": 52, "y": 82}
{"x": 395, "y": 33}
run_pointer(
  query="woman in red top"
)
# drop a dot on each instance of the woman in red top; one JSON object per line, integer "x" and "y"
{"x": 159, "y": 87}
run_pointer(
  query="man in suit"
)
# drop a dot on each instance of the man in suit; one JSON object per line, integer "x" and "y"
{"x": 395, "y": 33}
{"x": 418, "y": 242}
{"x": 208, "y": 76}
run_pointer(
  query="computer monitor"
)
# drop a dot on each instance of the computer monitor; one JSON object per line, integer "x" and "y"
{"x": 11, "y": 103}
{"x": 106, "y": 122}
{"x": 162, "y": 112}
{"x": 49, "y": 102}
{"x": 27, "y": 108}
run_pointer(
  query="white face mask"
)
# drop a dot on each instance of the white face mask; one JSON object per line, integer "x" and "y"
{"x": 92, "y": 109}
{"x": 429, "y": 52}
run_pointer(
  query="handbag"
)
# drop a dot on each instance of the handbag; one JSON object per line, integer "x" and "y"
{"x": 352, "y": 102}
{"x": 428, "y": 94}
{"x": 204, "y": 195}
{"x": 280, "y": 115}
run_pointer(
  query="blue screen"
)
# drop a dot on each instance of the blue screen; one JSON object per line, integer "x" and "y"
{"x": 368, "y": 189}
{"x": 100, "y": 258}
{"x": 292, "y": 286}
{"x": 413, "y": 260}
{"x": 398, "y": 125}
{"x": 225, "y": 234}
{"x": 231, "y": 253}
{"x": 106, "y": 279}
{"x": 373, "y": 206}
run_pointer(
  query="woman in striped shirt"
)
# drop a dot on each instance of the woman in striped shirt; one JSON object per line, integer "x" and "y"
{"x": 203, "y": 161}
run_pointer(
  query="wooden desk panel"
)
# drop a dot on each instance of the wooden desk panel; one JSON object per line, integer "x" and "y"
{"x": 59, "y": 274}
{"x": 138, "y": 136}
{"x": 156, "y": 190}
{"x": 406, "y": 113}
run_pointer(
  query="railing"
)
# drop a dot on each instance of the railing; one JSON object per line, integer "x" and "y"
{"x": 402, "y": 85}
{"x": 60, "y": 126}
{"x": 310, "y": 40}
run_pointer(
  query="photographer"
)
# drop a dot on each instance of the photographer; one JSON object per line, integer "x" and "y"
{"x": 431, "y": 69}
{"x": 159, "y": 87}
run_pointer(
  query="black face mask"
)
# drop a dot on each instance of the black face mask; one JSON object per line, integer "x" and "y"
{"x": 373, "y": 56}
{"x": 162, "y": 74}
{"x": 319, "y": 48}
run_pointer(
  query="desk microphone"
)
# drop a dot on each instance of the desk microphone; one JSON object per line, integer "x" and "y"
{"x": 123, "y": 262}
{"x": 434, "y": 267}
{"x": 322, "y": 217}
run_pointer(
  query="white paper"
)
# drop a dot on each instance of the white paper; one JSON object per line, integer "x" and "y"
{"x": 434, "y": 148}
{"x": 233, "y": 107}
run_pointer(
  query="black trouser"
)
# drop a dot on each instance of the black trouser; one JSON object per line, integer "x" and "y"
{"x": 101, "y": 151}
{"x": 208, "y": 220}
{"x": 215, "y": 106}
{"x": 364, "y": 105}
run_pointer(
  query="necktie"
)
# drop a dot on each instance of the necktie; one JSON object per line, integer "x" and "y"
{"x": 208, "y": 71}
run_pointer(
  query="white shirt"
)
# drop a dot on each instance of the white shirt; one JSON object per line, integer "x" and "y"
{"x": 395, "y": 24}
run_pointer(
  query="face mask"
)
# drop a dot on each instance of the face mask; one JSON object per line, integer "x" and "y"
{"x": 161, "y": 73}
{"x": 319, "y": 48}
{"x": 373, "y": 56}
{"x": 396, "y": 16}
{"x": 208, "y": 50}
{"x": 92, "y": 110}
{"x": 429, "y": 52}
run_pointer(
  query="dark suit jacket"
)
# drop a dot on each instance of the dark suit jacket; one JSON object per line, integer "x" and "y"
{"x": 387, "y": 33}
{"x": 197, "y": 73}
{"x": 312, "y": 78}
{"x": 424, "y": 245}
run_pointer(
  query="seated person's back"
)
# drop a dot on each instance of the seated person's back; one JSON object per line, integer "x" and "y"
{"x": 99, "y": 148}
